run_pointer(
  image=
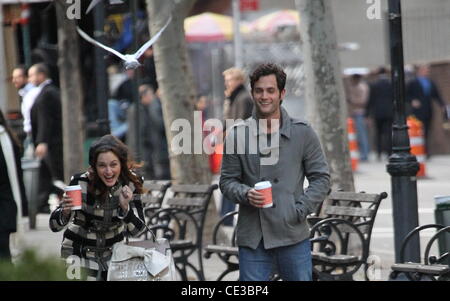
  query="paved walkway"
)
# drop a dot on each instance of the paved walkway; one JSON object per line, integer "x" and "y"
{"x": 370, "y": 177}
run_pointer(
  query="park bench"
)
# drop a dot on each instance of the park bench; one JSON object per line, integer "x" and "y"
{"x": 154, "y": 196}
{"x": 341, "y": 232}
{"x": 181, "y": 220}
{"x": 340, "y": 236}
{"x": 433, "y": 267}
{"x": 224, "y": 244}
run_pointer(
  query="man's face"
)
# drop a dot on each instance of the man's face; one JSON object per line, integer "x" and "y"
{"x": 19, "y": 78}
{"x": 267, "y": 97}
{"x": 147, "y": 98}
{"x": 423, "y": 71}
{"x": 35, "y": 77}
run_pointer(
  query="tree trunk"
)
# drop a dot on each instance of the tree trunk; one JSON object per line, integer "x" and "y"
{"x": 71, "y": 91}
{"x": 178, "y": 95}
{"x": 176, "y": 84}
{"x": 326, "y": 106}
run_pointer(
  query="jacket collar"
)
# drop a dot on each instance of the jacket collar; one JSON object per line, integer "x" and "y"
{"x": 286, "y": 121}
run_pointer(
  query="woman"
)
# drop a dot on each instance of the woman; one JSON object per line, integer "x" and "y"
{"x": 108, "y": 212}
{"x": 12, "y": 189}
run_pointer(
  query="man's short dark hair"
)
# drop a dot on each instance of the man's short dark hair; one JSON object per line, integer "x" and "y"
{"x": 42, "y": 68}
{"x": 23, "y": 69}
{"x": 268, "y": 69}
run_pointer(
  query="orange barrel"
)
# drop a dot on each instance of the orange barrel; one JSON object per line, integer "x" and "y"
{"x": 417, "y": 141}
{"x": 353, "y": 143}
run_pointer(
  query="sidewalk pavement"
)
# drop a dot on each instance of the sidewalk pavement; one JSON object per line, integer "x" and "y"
{"x": 370, "y": 177}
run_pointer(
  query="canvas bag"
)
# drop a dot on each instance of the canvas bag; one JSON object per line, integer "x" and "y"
{"x": 148, "y": 260}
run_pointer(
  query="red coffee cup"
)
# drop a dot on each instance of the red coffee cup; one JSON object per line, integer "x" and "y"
{"x": 266, "y": 189}
{"x": 74, "y": 192}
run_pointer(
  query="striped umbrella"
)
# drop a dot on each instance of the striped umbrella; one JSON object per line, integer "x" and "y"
{"x": 270, "y": 23}
{"x": 209, "y": 27}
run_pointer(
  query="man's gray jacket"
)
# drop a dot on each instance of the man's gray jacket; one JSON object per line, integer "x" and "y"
{"x": 299, "y": 155}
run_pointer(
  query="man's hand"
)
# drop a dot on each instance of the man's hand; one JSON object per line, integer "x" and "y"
{"x": 41, "y": 150}
{"x": 255, "y": 198}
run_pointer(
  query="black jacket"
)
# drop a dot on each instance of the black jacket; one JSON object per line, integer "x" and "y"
{"x": 380, "y": 104}
{"x": 414, "y": 90}
{"x": 46, "y": 123}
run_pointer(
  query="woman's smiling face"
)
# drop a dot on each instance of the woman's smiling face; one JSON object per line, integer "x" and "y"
{"x": 108, "y": 168}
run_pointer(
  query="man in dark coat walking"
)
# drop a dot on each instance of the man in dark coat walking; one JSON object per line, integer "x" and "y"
{"x": 46, "y": 123}
{"x": 381, "y": 108}
{"x": 419, "y": 94}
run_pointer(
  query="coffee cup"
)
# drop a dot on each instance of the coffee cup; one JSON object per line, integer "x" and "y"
{"x": 266, "y": 189}
{"x": 74, "y": 192}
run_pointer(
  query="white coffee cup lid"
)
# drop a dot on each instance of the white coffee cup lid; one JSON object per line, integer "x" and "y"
{"x": 263, "y": 185}
{"x": 440, "y": 199}
{"x": 72, "y": 188}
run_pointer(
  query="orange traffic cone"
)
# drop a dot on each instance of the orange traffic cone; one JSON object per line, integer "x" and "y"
{"x": 416, "y": 139}
{"x": 353, "y": 144}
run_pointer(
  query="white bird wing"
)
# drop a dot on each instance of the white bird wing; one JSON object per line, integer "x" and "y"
{"x": 141, "y": 50}
{"x": 92, "y": 5}
{"x": 91, "y": 40}
{"x": 95, "y": 2}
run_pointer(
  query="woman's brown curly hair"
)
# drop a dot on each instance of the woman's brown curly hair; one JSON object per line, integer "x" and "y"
{"x": 109, "y": 143}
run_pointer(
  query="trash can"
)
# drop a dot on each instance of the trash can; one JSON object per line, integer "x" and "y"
{"x": 442, "y": 216}
{"x": 30, "y": 169}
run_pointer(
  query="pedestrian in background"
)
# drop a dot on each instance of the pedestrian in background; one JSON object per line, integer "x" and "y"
{"x": 159, "y": 140}
{"x": 238, "y": 104}
{"x": 109, "y": 211}
{"x": 145, "y": 131}
{"x": 277, "y": 236}
{"x": 420, "y": 93}
{"x": 381, "y": 108}
{"x": 13, "y": 202}
{"x": 28, "y": 93}
{"x": 46, "y": 126}
{"x": 357, "y": 99}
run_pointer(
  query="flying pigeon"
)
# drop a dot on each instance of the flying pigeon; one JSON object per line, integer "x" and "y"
{"x": 131, "y": 60}
{"x": 95, "y": 2}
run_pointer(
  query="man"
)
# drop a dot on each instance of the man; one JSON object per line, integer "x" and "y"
{"x": 357, "y": 92}
{"x": 146, "y": 96}
{"x": 238, "y": 104}
{"x": 46, "y": 128}
{"x": 276, "y": 236}
{"x": 27, "y": 92}
{"x": 381, "y": 108}
{"x": 420, "y": 92}
{"x": 159, "y": 140}
{"x": 20, "y": 80}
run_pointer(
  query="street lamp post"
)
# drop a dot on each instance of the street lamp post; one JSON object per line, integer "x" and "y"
{"x": 238, "y": 62}
{"x": 402, "y": 165}
{"x": 135, "y": 86}
{"x": 100, "y": 72}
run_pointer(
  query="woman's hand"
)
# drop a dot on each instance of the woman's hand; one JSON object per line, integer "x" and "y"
{"x": 66, "y": 205}
{"x": 125, "y": 197}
